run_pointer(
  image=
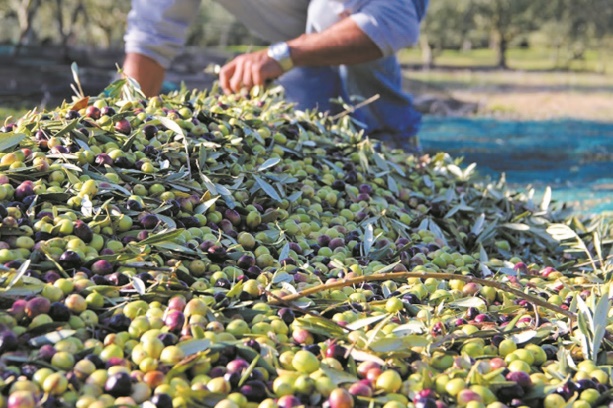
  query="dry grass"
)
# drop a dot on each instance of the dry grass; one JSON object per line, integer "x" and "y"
{"x": 522, "y": 94}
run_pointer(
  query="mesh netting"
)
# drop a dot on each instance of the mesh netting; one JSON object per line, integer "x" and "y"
{"x": 574, "y": 157}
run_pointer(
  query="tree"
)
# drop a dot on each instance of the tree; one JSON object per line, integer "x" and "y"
{"x": 505, "y": 20}
{"x": 24, "y": 11}
{"x": 446, "y": 25}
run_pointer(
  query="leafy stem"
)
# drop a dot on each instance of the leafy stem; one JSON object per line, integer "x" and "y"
{"x": 424, "y": 275}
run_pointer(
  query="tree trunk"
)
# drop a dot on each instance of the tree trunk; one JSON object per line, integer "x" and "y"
{"x": 26, "y": 10}
{"x": 501, "y": 52}
{"x": 427, "y": 56}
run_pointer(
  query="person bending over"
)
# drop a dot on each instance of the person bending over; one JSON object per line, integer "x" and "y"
{"x": 321, "y": 50}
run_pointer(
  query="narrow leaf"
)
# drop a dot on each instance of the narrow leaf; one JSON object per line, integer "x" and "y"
{"x": 367, "y": 321}
{"x": 8, "y": 140}
{"x": 546, "y": 199}
{"x": 269, "y": 163}
{"x": 20, "y": 272}
{"x": 268, "y": 189}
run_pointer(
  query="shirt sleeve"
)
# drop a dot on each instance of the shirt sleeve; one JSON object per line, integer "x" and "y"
{"x": 390, "y": 24}
{"x": 157, "y": 28}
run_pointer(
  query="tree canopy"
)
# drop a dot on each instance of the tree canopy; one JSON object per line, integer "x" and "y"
{"x": 569, "y": 27}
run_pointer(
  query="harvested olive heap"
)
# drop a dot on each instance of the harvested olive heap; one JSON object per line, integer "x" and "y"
{"x": 196, "y": 250}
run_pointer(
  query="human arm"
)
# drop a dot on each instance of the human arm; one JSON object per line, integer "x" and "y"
{"x": 146, "y": 71}
{"x": 155, "y": 33}
{"x": 379, "y": 28}
{"x": 342, "y": 43}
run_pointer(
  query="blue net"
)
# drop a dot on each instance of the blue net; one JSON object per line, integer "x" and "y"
{"x": 574, "y": 157}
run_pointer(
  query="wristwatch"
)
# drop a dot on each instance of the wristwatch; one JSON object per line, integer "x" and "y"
{"x": 280, "y": 52}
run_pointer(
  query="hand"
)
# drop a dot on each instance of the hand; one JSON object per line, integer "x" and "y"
{"x": 248, "y": 70}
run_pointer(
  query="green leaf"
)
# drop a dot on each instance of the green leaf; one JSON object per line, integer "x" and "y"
{"x": 51, "y": 338}
{"x": 236, "y": 289}
{"x": 393, "y": 186}
{"x": 516, "y": 226}
{"x": 139, "y": 285}
{"x": 176, "y": 248}
{"x": 367, "y": 321}
{"x": 170, "y": 223}
{"x": 284, "y": 252}
{"x": 268, "y": 189}
{"x": 320, "y": 325}
{"x": 523, "y": 337}
{"x": 369, "y": 238}
{"x": 561, "y": 232}
{"x": 20, "y": 272}
{"x": 397, "y": 344}
{"x": 546, "y": 199}
{"x": 204, "y": 207}
{"x": 163, "y": 236}
{"x": 8, "y": 140}
{"x": 170, "y": 124}
{"x": 194, "y": 346}
{"x": 468, "y": 302}
{"x": 268, "y": 164}
{"x": 338, "y": 377}
{"x": 250, "y": 354}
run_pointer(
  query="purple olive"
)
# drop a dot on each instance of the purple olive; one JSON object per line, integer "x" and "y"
{"x": 254, "y": 390}
{"x": 24, "y": 190}
{"x": 103, "y": 158}
{"x": 107, "y": 111}
{"x": 123, "y": 126}
{"x": 72, "y": 114}
{"x": 149, "y": 221}
{"x": 37, "y": 306}
{"x": 365, "y": 189}
{"x": 8, "y": 341}
{"x": 93, "y": 112}
{"x": 102, "y": 267}
{"x": 233, "y": 216}
{"x": 174, "y": 320}
{"x": 119, "y": 385}
{"x": 83, "y": 231}
{"x": 162, "y": 400}
{"x": 286, "y": 314}
{"x": 337, "y": 352}
{"x": 245, "y": 262}
{"x": 59, "y": 312}
{"x": 119, "y": 322}
{"x": 336, "y": 243}
{"x": 46, "y": 352}
{"x": 323, "y": 240}
{"x": 217, "y": 253}
{"x": 70, "y": 259}
{"x": 150, "y": 131}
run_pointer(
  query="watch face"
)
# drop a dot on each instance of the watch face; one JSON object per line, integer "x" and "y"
{"x": 280, "y": 52}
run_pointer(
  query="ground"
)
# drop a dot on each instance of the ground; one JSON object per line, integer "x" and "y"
{"x": 521, "y": 94}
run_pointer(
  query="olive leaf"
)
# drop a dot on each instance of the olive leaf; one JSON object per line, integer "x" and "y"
{"x": 268, "y": 189}
{"x": 8, "y": 140}
{"x": 51, "y": 338}
{"x": 338, "y": 377}
{"x": 20, "y": 273}
{"x": 269, "y": 163}
{"x": 398, "y": 344}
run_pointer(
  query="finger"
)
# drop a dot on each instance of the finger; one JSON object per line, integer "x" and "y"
{"x": 247, "y": 75}
{"x": 256, "y": 74}
{"x": 226, "y": 72}
{"x": 237, "y": 76}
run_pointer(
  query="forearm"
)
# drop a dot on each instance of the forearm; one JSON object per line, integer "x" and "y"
{"x": 146, "y": 71}
{"x": 343, "y": 43}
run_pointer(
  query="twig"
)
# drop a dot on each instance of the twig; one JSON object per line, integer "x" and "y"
{"x": 356, "y": 107}
{"x": 448, "y": 276}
